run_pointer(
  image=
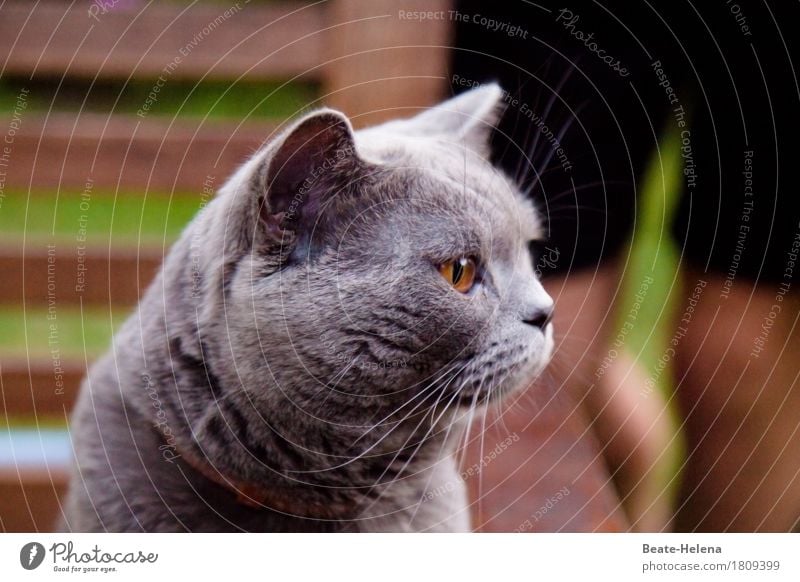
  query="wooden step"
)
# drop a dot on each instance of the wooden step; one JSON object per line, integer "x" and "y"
{"x": 39, "y": 388}
{"x": 100, "y": 152}
{"x": 66, "y": 274}
{"x": 271, "y": 40}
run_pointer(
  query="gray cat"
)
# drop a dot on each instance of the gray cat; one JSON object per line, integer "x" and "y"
{"x": 318, "y": 337}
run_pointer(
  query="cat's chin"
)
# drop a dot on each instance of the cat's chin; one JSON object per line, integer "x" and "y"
{"x": 484, "y": 397}
{"x": 515, "y": 381}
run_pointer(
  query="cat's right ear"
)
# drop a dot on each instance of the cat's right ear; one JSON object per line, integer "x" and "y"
{"x": 468, "y": 118}
{"x": 309, "y": 163}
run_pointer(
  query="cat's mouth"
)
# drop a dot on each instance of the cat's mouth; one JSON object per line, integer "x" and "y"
{"x": 493, "y": 383}
{"x": 484, "y": 396}
{"x": 496, "y": 385}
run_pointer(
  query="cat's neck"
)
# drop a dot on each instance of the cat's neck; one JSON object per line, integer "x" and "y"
{"x": 332, "y": 487}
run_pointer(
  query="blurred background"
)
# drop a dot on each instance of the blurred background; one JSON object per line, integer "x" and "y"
{"x": 121, "y": 118}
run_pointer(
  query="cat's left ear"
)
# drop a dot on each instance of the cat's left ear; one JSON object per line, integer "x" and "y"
{"x": 309, "y": 164}
{"x": 468, "y": 118}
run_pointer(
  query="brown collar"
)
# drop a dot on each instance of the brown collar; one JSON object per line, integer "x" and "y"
{"x": 246, "y": 493}
{"x": 257, "y": 497}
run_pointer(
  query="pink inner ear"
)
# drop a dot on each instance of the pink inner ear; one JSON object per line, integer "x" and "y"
{"x": 314, "y": 147}
{"x": 308, "y": 162}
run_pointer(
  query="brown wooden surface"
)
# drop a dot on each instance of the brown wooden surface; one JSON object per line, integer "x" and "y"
{"x": 66, "y": 150}
{"x": 267, "y": 41}
{"x": 37, "y": 389}
{"x": 551, "y": 479}
{"x": 381, "y": 66}
{"x": 30, "y": 499}
{"x": 119, "y": 278}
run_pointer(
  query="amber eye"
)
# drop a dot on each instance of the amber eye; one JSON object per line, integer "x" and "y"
{"x": 460, "y": 273}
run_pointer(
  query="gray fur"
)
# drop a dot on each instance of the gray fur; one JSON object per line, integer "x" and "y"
{"x": 300, "y": 338}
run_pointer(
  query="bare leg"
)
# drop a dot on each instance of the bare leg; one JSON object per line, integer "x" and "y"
{"x": 638, "y": 433}
{"x": 738, "y": 369}
{"x": 630, "y": 422}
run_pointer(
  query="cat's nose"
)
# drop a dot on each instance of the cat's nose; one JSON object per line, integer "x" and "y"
{"x": 540, "y": 317}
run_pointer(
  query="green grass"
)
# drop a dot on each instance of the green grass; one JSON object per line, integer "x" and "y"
{"x": 654, "y": 254}
{"x": 123, "y": 219}
{"x": 76, "y": 334}
{"x": 216, "y": 99}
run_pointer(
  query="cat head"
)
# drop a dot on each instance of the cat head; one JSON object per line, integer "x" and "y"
{"x": 380, "y": 267}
